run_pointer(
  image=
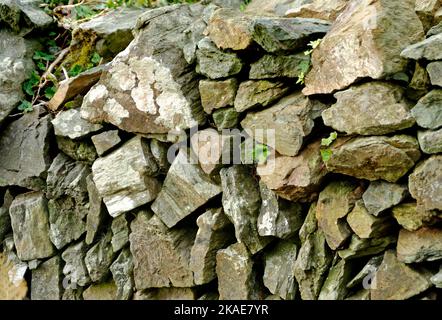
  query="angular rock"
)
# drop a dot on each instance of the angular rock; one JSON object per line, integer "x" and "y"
{"x": 275, "y": 66}
{"x": 425, "y": 184}
{"x": 5, "y": 219}
{"x": 373, "y": 158}
{"x": 122, "y": 273}
{"x": 46, "y": 283}
{"x": 12, "y": 271}
{"x": 237, "y": 279}
{"x": 292, "y": 119}
{"x": 334, "y": 203}
{"x": 350, "y": 51}
{"x": 427, "y": 111}
{"x": 268, "y": 7}
{"x": 185, "y": 189}
{"x": 150, "y": 88}
{"x": 430, "y": 141}
{"x": 124, "y": 177}
{"x": 420, "y": 83}
{"x": 73, "y": 294}
{"x": 437, "y": 279}
{"x": 434, "y": 70}
{"x": 217, "y": 94}
{"x": 79, "y": 150}
{"x": 278, "y": 217}
{"x": 279, "y": 275}
{"x": 328, "y": 10}
{"x": 225, "y": 118}
{"x": 295, "y": 178}
{"x": 69, "y": 124}
{"x": 96, "y": 214}
{"x": 366, "y": 225}
{"x": 241, "y": 202}
{"x": 99, "y": 258}
{"x": 101, "y": 291}
{"x": 161, "y": 256}
{"x": 424, "y": 244}
{"x": 25, "y": 157}
{"x": 75, "y": 269}
{"x": 412, "y": 219}
{"x": 359, "y": 248}
{"x": 30, "y": 225}
{"x": 426, "y": 10}
{"x": 120, "y": 232}
{"x": 258, "y": 93}
{"x": 105, "y": 141}
{"x": 367, "y": 273}
{"x": 310, "y": 224}
{"x": 335, "y": 285}
{"x": 426, "y": 49}
{"x": 214, "y": 233}
{"x": 373, "y": 108}
{"x": 382, "y": 195}
{"x": 396, "y": 281}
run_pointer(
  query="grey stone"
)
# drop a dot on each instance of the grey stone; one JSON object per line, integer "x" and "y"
{"x": 382, "y": 195}
{"x": 427, "y": 112}
{"x": 217, "y": 94}
{"x": 367, "y": 273}
{"x": 71, "y": 294}
{"x": 105, "y": 141}
{"x": 75, "y": 270}
{"x": 79, "y": 150}
{"x": 434, "y": 70}
{"x": 437, "y": 279}
{"x": 96, "y": 213}
{"x": 5, "y": 219}
{"x": 365, "y": 225}
{"x": 310, "y": 224}
{"x": 359, "y": 248}
{"x": 335, "y": 285}
{"x": 122, "y": 272}
{"x": 46, "y": 283}
{"x": 424, "y": 244}
{"x": 225, "y": 118}
{"x": 430, "y": 141}
{"x": 120, "y": 232}
{"x": 276, "y": 66}
{"x": 99, "y": 258}
{"x": 160, "y": 151}
{"x": 426, "y": 49}
{"x": 70, "y": 124}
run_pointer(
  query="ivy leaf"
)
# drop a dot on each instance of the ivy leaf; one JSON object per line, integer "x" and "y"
{"x": 328, "y": 141}
{"x": 326, "y": 154}
{"x": 95, "y": 58}
{"x": 75, "y": 70}
{"x": 40, "y": 55}
{"x": 28, "y": 85}
{"x": 49, "y": 92}
{"x": 41, "y": 66}
{"x": 25, "y": 106}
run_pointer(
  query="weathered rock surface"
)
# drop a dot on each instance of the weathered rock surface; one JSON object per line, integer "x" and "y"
{"x": 434, "y": 70}
{"x": 101, "y": 291}
{"x": 437, "y": 279}
{"x": 120, "y": 233}
{"x": 105, "y": 141}
{"x": 335, "y": 285}
{"x": 430, "y": 141}
{"x": 292, "y": 119}
{"x": 96, "y": 213}
{"x": 46, "y": 281}
{"x": 5, "y": 218}
{"x": 412, "y": 219}
{"x": 366, "y": 275}
{"x": 226, "y": 118}
{"x": 99, "y": 258}
{"x": 373, "y": 108}
{"x": 328, "y": 10}
{"x": 373, "y": 158}
{"x": 79, "y": 150}
{"x": 359, "y": 248}
{"x": 122, "y": 273}
{"x": 124, "y": 177}
{"x": 268, "y": 7}
{"x": 420, "y": 82}
{"x": 424, "y": 244}
{"x": 426, "y": 10}
{"x": 425, "y": 184}
{"x": 277, "y": 66}
{"x": 426, "y": 49}
{"x": 70, "y": 124}
{"x": 350, "y": 50}
{"x": 12, "y": 270}
{"x": 366, "y": 225}
{"x": 427, "y": 111}
{"x": 217, "y": 94}
{"x": 75, "y": 269}
{"x": 382, "y": 195}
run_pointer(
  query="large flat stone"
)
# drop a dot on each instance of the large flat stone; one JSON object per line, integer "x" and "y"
{"x": 424, "y": 244}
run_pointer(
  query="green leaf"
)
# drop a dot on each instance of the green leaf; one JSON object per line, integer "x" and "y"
{"x": 260, "y": 153}
{"x": 25, "y": 106}
{"x": 75, "y": 70}
{"x": 326, "y": 154}
{"x": 40, "y": 55}
{"x": 83, "y": 11}
{"x": 95, "y": 58}
{"x": 328, "y": 141}
{"x": 49, "y": 92}
{"x": 41, "y": 66}
{"x": 28, "y": 85}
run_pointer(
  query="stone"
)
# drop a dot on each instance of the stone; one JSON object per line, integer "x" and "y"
{"x": 335, "y": 285}
{"x": 268, "y": 7}
{"x": 258, "y": 93}
{"x": 412, "y": 219}
{"x": 217, "y": 94}
{"x": 46, "y": 283}
{"x": 382, "y": 195}
{"x": 373, "y": 108}
{"x": 424, "y": 244}
{"x": 292, "y": 119}
{"x": 185, "y": 189}
{"x": 279, "y": 35}
{"x": 66, "y": 221}
{"x": 241, "y": 202}
{"x": 67, "y": 177}
{"x": 99, "y": 258}
{"x": 225, "y": 118}
{"x": 106, "y": 141}
{"x": 434, "y": 70}
{"x": 349, "y": 51}
{"x": 279, "y": 275}
{"x": 149, "y": 87}
{"x": 397, "y": 281}
{"x": 334, "y": 203}
{"x": 295, "y": 178}
{"x": 430, "y": 141}
{"x": 275, "y": 66}
{"x": 214, "y": 63}
{"x": 122, "y": 273}
{"x": 365, "y": 225}
{"x": 120, "y": 233}
{"x": 237, "y": 279}
{"x": 25, "y": 158}
{"x": 185, "y": 294}
{"x": 278, "y": 217}
{"x": 425, "y": 184}
{"x": 30, "y": 225}
{"x": 363, "y": 295}
{"x": 373, "y": 158}
{"x": 420, "y": 82}
{"x": 75, "y": 269}
{"x": 359, "y": 248}
{"x": 69, "y": 124}
{"x": 427, "y": 111}
{"x": 428, "y": 49}
{"x": 12, "y": 271}
{"x": 79, "y": 150}
{"x": 5, "y": 219}
{"x": 367, "y": 273}
{"x": 101, "y": 291}
{"x": 161, "y": 256}
{"x": 426, "y": 10}
{"x": 437, "y": 279}
{"x": 328, "y": 10}
{"x": 96, "y": 214}
{"x": 71, "y": 294}
{"x": 124, "y": 178}
{"x": 436, "y": 29}
{"x": 214, "y": 233}
{"x": 310, "y": 224}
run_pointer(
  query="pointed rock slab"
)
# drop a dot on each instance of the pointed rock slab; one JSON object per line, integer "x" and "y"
{"x": 185, "y": 189}
{"x": 99, "y": 258}
{"x": 373, "y": 158}
{"x": 124, "y": 177}
{"x": 350, "y": 50}
{"x": 295, "y": 178}
{"x": 429, "y": 49}
{"x": 427, "y": 112}
{"x": 105, "y": 141}
{"x": 101, "y": 291}
{"x": 237, "y": 278}
{"x": 366, "y": 225}
{"x": 161, "y": 256}
{"x": 396, "y": 281}
{"x": 217, "y": 94}
{"x": 335, "y": 285}
{"x": 334, "y": 203}
{"x": 278, "y": 217}
{"x": 424, "y": 244}
{"x": 430, "y": 141}
{"x": 120, "y": 232}
{"x": 70, "y": 124}
{"x": 30, "y": 225}
{"x": 359, "y": 248}
{"x": 149, "y": 87}
{"x": 122, "y": 272}
{"x": 373, "y": 108}
{"x": 326, "y": 10}
{"x": 214, "y": 233}
{"x": 75, "y": 269}
{"x": 412, "y": 219}
{"x": 382, "y": 195}
{"x": 241, "y": 202}
{"x": 275, "y": 66}
{"x": 425, "y": 184}
{"x": 96, "y": 213}
{"x": 25, "y": 157}
{"x": 279, "y": 264}
{"x": 46, "y": 283}
{"x": 292, "y": 119}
